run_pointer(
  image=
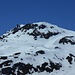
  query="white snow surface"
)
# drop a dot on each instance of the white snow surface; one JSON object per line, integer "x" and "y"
{"x": 24, "y": 43}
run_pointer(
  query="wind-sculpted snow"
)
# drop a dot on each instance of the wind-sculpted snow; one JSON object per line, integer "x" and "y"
{"x": 36, "y": 49}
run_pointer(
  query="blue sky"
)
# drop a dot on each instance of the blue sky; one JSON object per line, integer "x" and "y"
{"x": 59, "y": 12}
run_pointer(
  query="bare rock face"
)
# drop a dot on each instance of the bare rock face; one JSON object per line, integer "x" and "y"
{"x": 22, "y": 68}
{"x": 67, "y": 39}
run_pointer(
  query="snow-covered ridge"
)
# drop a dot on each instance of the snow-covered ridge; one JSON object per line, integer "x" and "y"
{"x": 36, "y": 49}
{"x": 51, "y": 27}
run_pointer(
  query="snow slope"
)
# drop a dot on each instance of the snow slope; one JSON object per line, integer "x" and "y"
{"x": 36, "y": 49}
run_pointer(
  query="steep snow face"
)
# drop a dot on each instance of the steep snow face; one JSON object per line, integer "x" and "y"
{"x": 36, "y": 49}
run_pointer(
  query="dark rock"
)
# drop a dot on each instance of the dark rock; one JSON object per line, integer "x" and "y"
{"x": 48, "y": 69}
{"x": 3, "y": 57}
{"x": 70, "y": 58}
{"x": 29, "y": 26}
{"x": 8, "y": 71}
{"x": 49, "y": 34}
{"x": 17, "y": 53}
{"x": 57, "y": 47}
{"x": 6, "y": 63}
{"x": 55, "y": 66}
{"x": 40, "y": 52}
{"x": 51, "y": 27}
{"x": 16, "y": 29}
{"x": 22, "y": 68}
{"x": 42, "y": 26}
{"x": 66, "y": 40}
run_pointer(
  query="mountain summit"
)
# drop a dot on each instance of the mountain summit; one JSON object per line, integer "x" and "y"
{"x": 36, "y": 49}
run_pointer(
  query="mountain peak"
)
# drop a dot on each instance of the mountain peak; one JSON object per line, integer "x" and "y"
{"x": 37, "y": 48}
{"x": 44, "y": 23}
{"x": 39, "y": 29}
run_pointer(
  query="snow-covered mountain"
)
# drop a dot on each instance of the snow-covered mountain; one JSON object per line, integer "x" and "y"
{"x": 36, "y": 49}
